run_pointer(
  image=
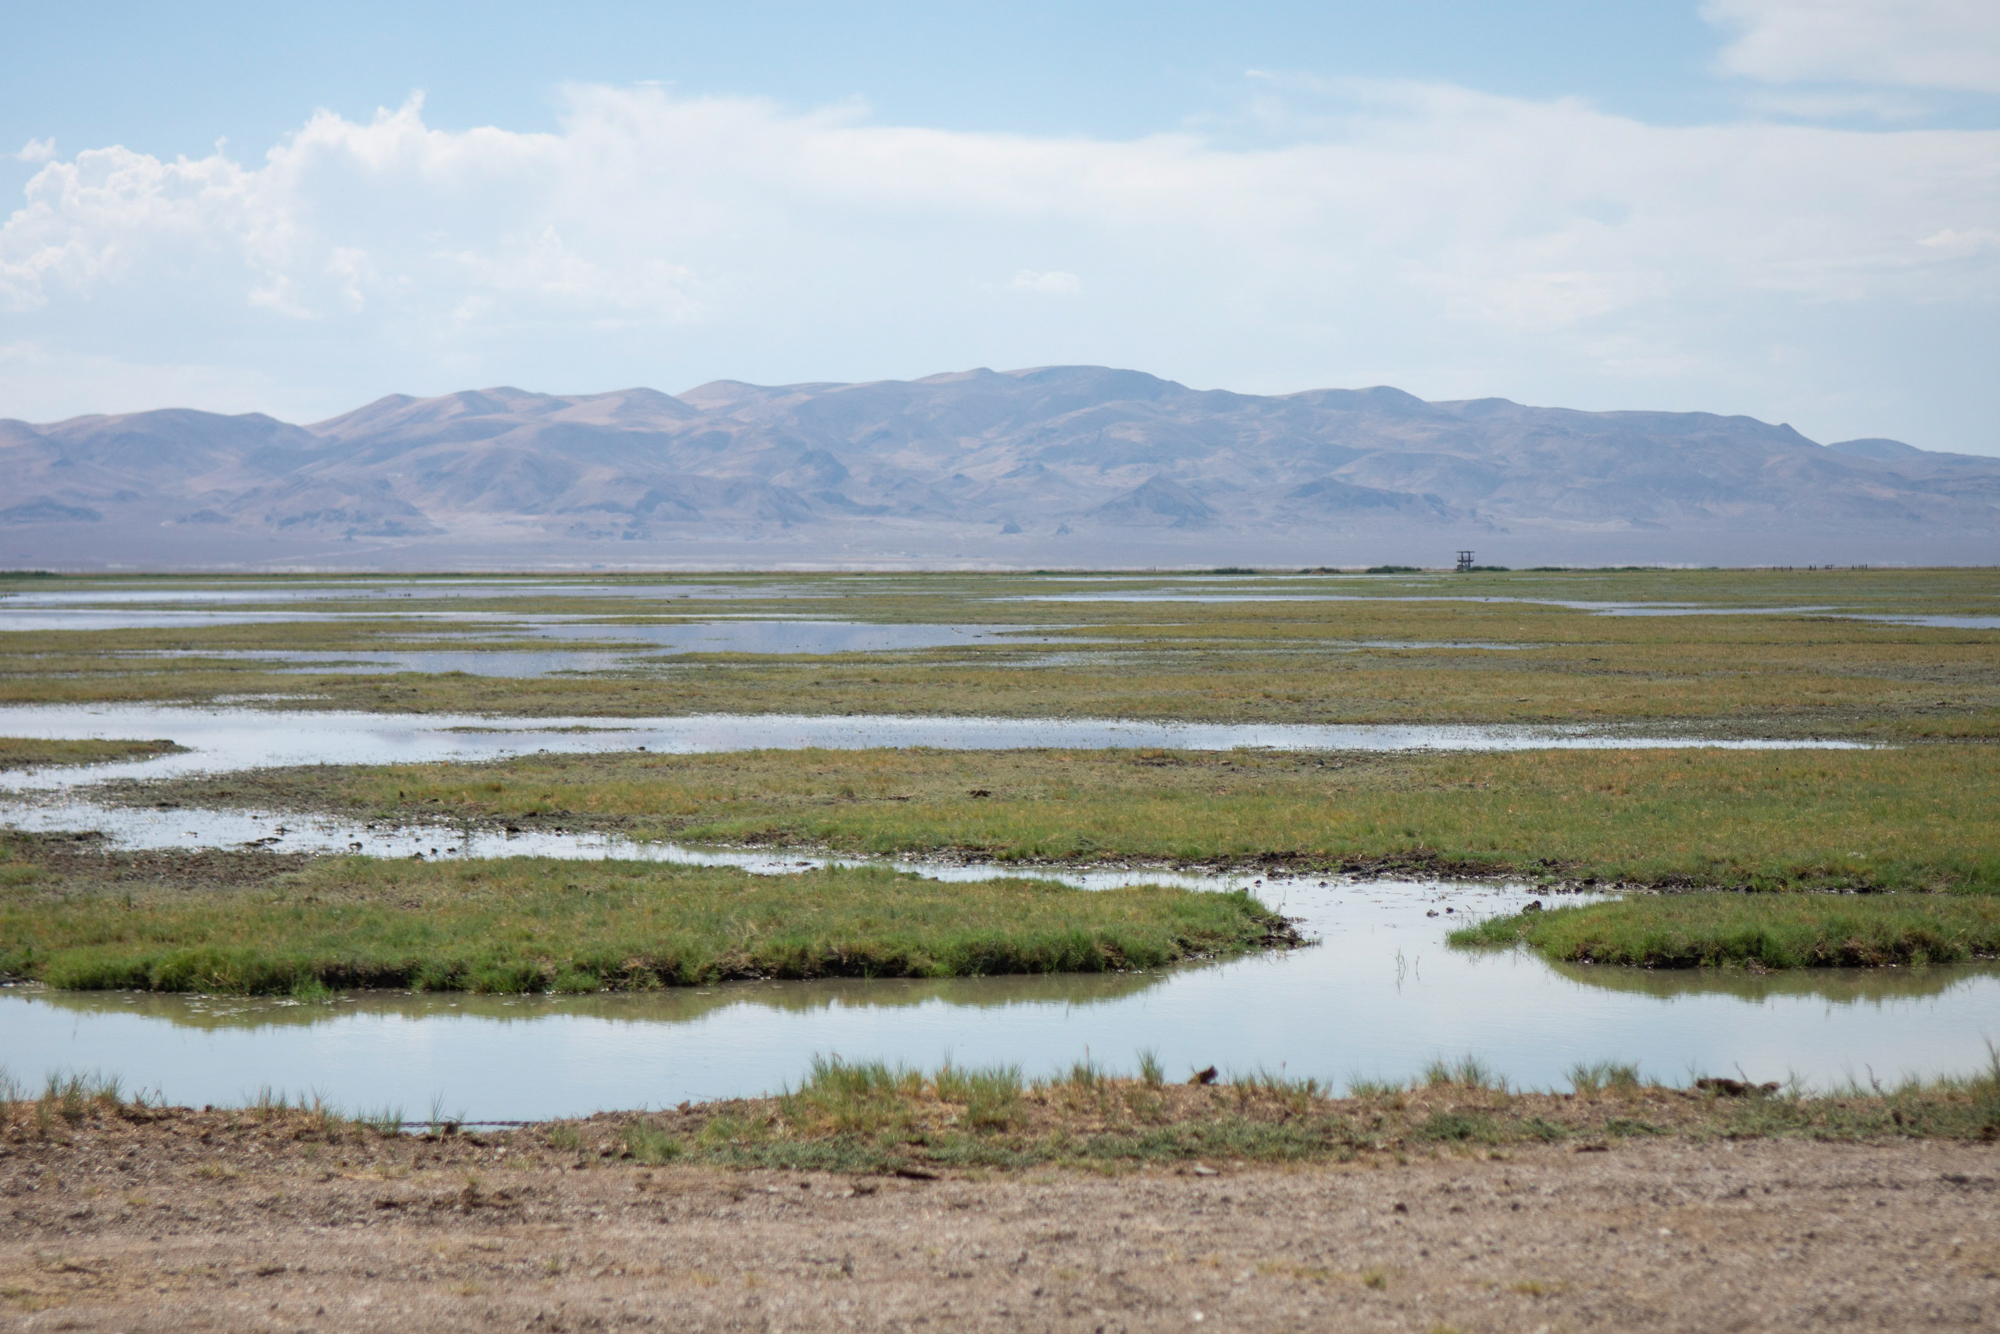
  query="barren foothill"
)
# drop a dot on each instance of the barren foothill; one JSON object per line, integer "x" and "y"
{"x": 222, "y": 1220}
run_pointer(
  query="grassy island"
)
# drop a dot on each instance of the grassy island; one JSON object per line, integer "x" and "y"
{"x": 250, "y": 923}
{"x": 1917, "y": 817}
{"x": 1756, "y": 930}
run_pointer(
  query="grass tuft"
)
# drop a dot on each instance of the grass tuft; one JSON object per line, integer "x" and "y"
{"x": 1467, "y": 1072}
{"x": 652, "y": 1144}
{"x": 1589, "y": 1078}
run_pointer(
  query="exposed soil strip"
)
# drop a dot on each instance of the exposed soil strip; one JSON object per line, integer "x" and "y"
{"x": 232, "y": 1221}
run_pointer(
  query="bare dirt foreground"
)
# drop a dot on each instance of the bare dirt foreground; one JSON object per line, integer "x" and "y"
{"x": 201, "y": 1221}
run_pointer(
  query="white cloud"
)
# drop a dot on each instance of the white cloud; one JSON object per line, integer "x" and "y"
{"x": 1951, "y": 241}
{"x": 1454, "y": 242}
{"x": 36, "y": 150}
{"x": 1952, "y": 44}
{"x": 1053, "y": 283}
{"x": 1820, "y": 105}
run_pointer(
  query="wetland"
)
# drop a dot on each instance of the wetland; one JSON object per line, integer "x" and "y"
{"x": 852, "y": 786}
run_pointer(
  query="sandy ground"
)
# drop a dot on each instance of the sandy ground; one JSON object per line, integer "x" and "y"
{"x": 182, "y": 1224}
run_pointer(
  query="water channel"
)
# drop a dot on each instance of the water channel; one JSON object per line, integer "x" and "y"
{"x": 220, "y": 740}
{"x": 1378, "y": 996}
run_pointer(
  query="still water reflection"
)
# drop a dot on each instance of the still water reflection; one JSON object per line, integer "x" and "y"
{"x": 1379, "y": 996}
{"x": 220, "y": 740}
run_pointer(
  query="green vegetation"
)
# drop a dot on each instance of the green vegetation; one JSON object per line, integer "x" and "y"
{"x": 868, "y": 1118}
{"x": 1761, "y": 931}
{"x": 533, "y": 925}
{"x": 1784, "y": 656}
{"x": 874, "y": 1118}
{"x": 1590, "y": 1078}
{"x": 1393, "y": 648}
{"x": 34, "y": 753}
{"x": 1912, "y": 818}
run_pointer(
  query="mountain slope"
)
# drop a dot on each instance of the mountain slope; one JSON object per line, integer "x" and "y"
{"x": 1066, "y": 464}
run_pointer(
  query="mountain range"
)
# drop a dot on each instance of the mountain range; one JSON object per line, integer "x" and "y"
{"x": 1065, "y": 466}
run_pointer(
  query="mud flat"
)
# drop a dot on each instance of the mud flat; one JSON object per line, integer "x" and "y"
{"x": 173, "y": 1219}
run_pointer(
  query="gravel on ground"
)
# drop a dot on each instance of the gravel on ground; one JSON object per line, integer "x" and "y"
{"x": 182, "y": 1220}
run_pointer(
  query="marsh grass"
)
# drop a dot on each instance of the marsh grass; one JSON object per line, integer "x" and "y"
{"x": 991, "y": 1096}
{"x": 535, "y": 925}
{"x": 652, "y": 1145}
{"x": 1772, "y": 931}
{"x": 872, "y": 1117}
{"x": 383, "y": 1120}
{"x": 1459, "y": 1127}
{"x": 1590, "y": 1078}
{"x": 1915, "y": 818}
{"x": 65, "y": 1098}
{"x": 1255, "y": 660}
{"x": 35, "y": 753}
{"x": 1084, "y": 1076}
{"x": 1362, "y": 1087}
{"x": 1301, "y": 1093}
{"x": 1467, "y": 1072}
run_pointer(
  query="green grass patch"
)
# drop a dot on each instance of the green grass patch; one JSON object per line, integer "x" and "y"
{"x": 1912, "y": 818}
{"x": 1756, "y": 930}
{"x": 870, "y": 1117}
{"x": 536, "y": 925}
{"x": 34, "y": 753}
{"x": 1368, "y": 657}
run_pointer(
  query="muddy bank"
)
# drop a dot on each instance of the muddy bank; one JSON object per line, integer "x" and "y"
{"x": 234, "y": 1221}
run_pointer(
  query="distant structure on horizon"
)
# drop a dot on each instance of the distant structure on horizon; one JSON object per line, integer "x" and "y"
{"x": 1074, "y": 466}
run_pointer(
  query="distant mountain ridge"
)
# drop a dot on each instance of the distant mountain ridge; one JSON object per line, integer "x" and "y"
{"x": 1060, "y": 465}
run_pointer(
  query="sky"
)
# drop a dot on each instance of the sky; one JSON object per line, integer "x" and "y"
{"x": 1783, "y": 208}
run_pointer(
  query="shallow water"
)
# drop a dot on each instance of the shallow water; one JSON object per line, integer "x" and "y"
{"x": 1378, "y": 998}
{"x": 1941, "y": 622}
{"x": 765, "y": 635}
{"x": 223, "y": 740}
{"x": 516, "y": 664}
{"x": 134, "y": 829}
{"x": 1179, "y": 594}
{"x": 1600, "y": 608}
{"x": 651, "y": 645}
{"x": 801, "y": 636}
{"x": 364, "y": 590}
